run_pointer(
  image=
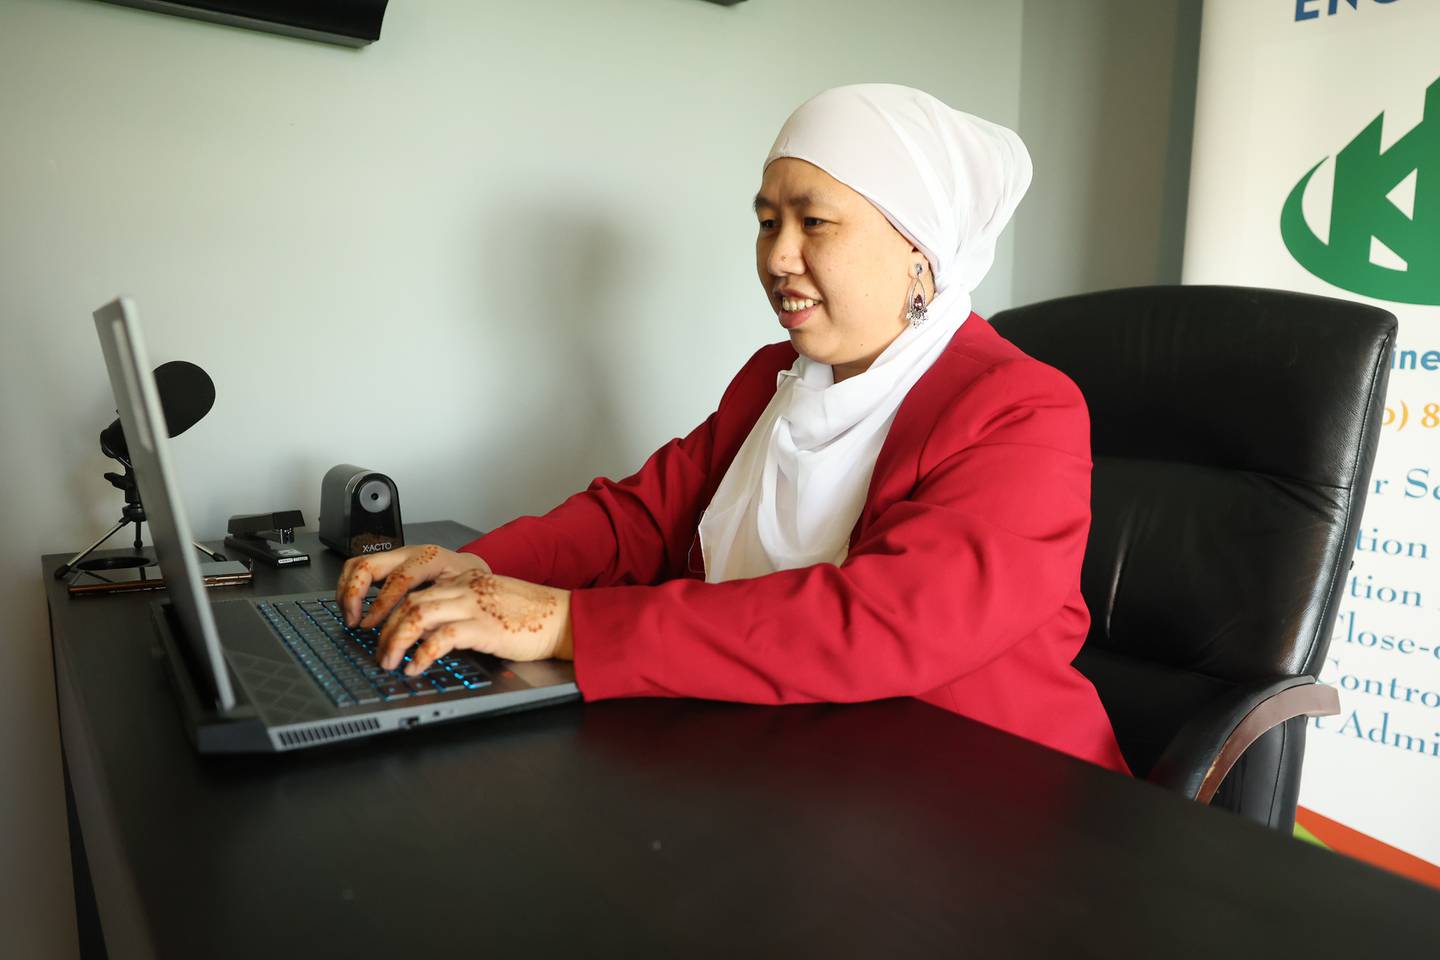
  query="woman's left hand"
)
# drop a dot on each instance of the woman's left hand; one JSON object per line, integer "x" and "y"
{"x": 475, "y": 610}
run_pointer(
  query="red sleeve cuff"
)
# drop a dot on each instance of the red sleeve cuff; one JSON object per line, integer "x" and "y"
{"x": 509, "y": 553}
{"x": 612, "y": 657}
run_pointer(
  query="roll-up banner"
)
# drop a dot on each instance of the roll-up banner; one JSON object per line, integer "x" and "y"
{"x": 1316, "y": 168}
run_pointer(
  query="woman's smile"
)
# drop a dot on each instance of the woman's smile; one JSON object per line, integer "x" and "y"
{"x": 790, "y": 319}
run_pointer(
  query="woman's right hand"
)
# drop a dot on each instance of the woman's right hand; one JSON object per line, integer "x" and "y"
{"x": 402, "y": 570}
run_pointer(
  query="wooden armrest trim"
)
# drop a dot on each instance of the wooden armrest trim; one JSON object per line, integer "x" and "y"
{"x": 1309, "y": 700}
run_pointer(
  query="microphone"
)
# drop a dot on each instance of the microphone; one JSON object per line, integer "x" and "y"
{"x": 186, "y": 394}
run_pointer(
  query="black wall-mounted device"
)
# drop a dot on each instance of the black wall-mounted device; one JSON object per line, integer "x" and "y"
{"x": 359, "y": 511}
{"x": 353, "y": 23}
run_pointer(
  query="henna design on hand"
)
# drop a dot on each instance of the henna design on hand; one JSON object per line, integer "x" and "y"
{"x": 396, "y": 586}
{"x": 519, "y": 607}
{"x": 352, "y": 574}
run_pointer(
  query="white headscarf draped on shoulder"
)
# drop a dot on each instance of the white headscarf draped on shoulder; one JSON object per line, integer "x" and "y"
{"x": 949, "y": 182}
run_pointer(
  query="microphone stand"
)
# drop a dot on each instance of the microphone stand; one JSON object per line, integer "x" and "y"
{"x": 132, "y": 512}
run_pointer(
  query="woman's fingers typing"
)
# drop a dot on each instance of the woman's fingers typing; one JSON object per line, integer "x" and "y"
{"x": 419, "y": 613}
{"x": 458, "y": 634}
{"x": 465, "y": 606}
{"x": 400, "y": 570}
{"x": 424, "y": 565}
{"x": 358, "y": 574}
{"x": 475, "y": 610}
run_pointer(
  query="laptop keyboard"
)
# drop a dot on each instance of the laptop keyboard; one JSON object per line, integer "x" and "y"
{"x": 341, "y": 659}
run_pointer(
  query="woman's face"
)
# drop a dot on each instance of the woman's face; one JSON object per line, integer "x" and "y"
{"x": 823, "y": 241}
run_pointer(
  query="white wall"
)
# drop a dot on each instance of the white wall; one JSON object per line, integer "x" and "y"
{"x": 503, "y": 250}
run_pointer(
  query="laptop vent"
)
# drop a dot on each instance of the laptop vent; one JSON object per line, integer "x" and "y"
{"x": 306, "y": 736}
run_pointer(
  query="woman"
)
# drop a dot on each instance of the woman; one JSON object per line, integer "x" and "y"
{"x": 894, "y": 502}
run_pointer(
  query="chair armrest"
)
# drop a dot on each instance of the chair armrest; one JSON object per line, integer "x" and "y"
{"x": 1203, "y": 751}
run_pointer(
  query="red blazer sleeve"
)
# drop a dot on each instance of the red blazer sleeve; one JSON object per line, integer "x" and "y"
{"x": 635, "y": 531}
{"x": 987, "y": 547}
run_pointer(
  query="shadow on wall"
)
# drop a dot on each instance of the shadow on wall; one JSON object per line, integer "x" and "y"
{"x": 1157, "y": 133}
{"x": 1108, "y": 107}
{"x": 1179, "y": 141}
{"x": 553, "y": 326}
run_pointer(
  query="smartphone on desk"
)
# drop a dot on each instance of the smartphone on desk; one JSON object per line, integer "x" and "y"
{"x": 133, "y": 576}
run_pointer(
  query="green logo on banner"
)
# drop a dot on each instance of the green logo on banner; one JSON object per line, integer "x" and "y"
{"x": 1365, "y": 209}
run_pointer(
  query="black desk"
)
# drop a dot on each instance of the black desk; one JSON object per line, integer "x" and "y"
{"x": 664, "y": 828}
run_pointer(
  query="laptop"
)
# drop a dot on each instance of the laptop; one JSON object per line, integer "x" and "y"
{"x": 265, "y": 674}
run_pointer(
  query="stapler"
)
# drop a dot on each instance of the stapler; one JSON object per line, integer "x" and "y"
{"x": 268, "y": 537}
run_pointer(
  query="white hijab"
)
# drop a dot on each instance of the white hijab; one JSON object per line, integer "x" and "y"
{"x": 949, "y": 182}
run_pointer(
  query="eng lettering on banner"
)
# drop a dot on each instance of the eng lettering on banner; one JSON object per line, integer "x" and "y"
{"x": 1312, "y": 9}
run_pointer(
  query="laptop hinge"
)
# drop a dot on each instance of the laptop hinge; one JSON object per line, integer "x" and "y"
{"x": 238, "y": 730}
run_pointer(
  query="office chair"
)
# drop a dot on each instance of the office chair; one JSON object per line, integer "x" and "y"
{"x": 1233, "y": 431}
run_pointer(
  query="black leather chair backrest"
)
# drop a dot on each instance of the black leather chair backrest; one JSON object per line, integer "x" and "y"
{"x": 1233, "y": 430}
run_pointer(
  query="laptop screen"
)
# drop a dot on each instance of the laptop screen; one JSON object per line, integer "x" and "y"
{"x": 137, "y": 400}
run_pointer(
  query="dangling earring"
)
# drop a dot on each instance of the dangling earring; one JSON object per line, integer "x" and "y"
{"x": 915, "y": 303}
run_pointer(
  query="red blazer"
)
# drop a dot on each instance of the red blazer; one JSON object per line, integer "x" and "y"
{"x": 961, "y": 586}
